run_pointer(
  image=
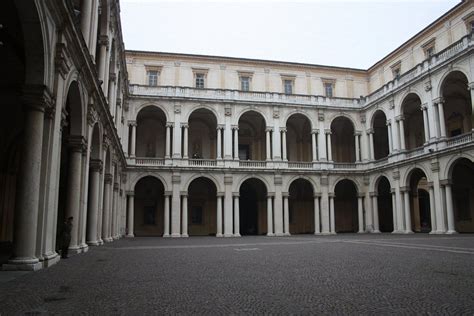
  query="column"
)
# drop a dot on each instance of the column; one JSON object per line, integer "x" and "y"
{"x": 390, "y": 143}
{"x": 269, "y": 216}
{"x": 283, "y": 146}
{"x": 219, "y": 215}
{"x": 395, "y": 136}
{"x": 471, "y": 91}
{"x": 314, "y": 135}
{"x": 28, "y": 194}
{"x": 360, "y": 212}
{"x": 176, "y": 207}
{"x": 399, "y": 203}
{"x": 133, "y": 124}
{"x": 329, "y": 149}
{"x": 228, "y": 218}
{"x": 104, "y": 43}
{"x": 406, "y": 199}
{"x": 185, "y": 140}
{"x": 268, "y": 143}
{"x": 106, "y": 207}
{"x": 442, "y": 124}
{"x": 93, "y": 205}
{"x": 236, "y": 215}
{"x": 166, "y": 228}
{"x": 168, "y": 140}
{"x": 331, "y": 208}
{"x": 322, "y": 143}
{"x": 235, "y": 130}
{"x": 86, "y": 13}
{"x": 112, "y": 94}
{"x": 432, "y": 208}
{"x": 219, "y": 142}
{"x": 73, "y": 202}
{"x": 401, "y": 127}
{"x": 130, "y": 213}
{"x": 357, "y": 145}
{"x": 394, "y": 211}
{"x": 184, "y": 216}
{"x": 317, "y": 228}
{"x": 324, "y": 208}
{"x": 376, "y": 212}
{"x": 115, "y": 214}
{"x": 286, "y": 215}
{"x": 370, "y": 132}
{"x": 425, "y": 123}
{"x": 449, "y": 208}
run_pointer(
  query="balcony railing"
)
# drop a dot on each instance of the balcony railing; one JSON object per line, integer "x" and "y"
{"x": 202, "y": 162}
{"x": 345, "y": 165}
{"x": 415, "y": 152}
{"x": 300, "y": 165}
{"x": 252, "y": 164}
{"x": 149, "y": 161}
{"x": 460, "y": 139}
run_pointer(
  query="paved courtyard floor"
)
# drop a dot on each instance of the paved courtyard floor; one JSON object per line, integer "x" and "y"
{"x": 343, "y": 274}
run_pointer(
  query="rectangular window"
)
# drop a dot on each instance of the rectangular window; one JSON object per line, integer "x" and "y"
{"x": 429, "y": 52}
{"x": 328, "y": 89}
{"x": 396, "y": 72}
{"x": 245, "y": 83}
{"x": 288, "y": 84}
{"x": 152, "y": 77}
{"x": 200, "y": 81}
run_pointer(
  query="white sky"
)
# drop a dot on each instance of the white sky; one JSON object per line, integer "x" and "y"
{"x": 338, "y": 33}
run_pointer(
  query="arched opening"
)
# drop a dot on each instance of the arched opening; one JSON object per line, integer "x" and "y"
{"x": 151, "y": 133}
{"x": 301, "y": 207}
{"x": 298, "y": 140}
{"x": 384, "y": 205}
{"x": 413, "y": 122}
{"x": 380, "y": 144}
{"x": 343, "y": 140}
{"x": 252, "y": 136}
{"x": 420, "y": 202}
{"x": 463, "y": 195}
{"x": 149, "y": 207}
{"x": 345, "y": 207}
{"x": 253, "y": 207}
{"x": 202, "y": 207}
{"x": 457, "y": 104}
{"x": 95, "y": 168}
{"x": 203, "y": 135}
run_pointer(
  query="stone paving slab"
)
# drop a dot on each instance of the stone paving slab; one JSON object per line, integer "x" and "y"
{"x": 343, "y": 274}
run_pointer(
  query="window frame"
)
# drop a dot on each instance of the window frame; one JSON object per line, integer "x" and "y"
{"x": 328, "y": 82}
{"x": 429, "y": 48}
{"x": 200, "y": 72}
{"x": 242, "y": 75}
{"x": 285, "y": 78}
{"x": 152, "y": 68}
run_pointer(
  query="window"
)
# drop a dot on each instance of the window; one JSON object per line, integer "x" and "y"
{"x": 471, "y": 26}
{"x": 245, "y": 83}
{"x": 329, "y": 89}
{"x": 396, "y": 72}
{"x": 200, "y": 81}
{"x": 152, "y": 77}
{"x": 469, "y": 21}
{"x": 288, "y": 86}
{"x": 429, "y": 48}
{"x": 429, "y": 51}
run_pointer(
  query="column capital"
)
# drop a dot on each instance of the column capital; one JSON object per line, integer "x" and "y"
{"x": 116, "y": 186}
{"x": 184, "y": 193}
{"x": 220, "y": 127}
{"x": 357, "y": 133}
{"x": 220, "y": 194}
{"x": 112, "y": 77}
{"x": 317, "y": 195}
{"x": 77, "y": 143}
{"x": 315, "y": 131}
{"x": 130, "y": 193}
{"x": 96, "y": 165}
{"x": 328, "y": 131}
{"x": 446, "y": 182}
{"x": 388, "y": 122}
{"x": 169, "y": 124}
{"x": 283, "y": 129}
{"x": 470, "y": 86}
{"x": 373, "y": 194}
{"x": 285, "y": 194}
{"x": 185, "y": 125}
{"x": 108, "y": 178}
{"x": 235, "y": 127}
{"x": 400, "y": 117}
{"x": 393, "y": 191}
{"x": 168, "y": 193}
{"x": 438, "y": 100}
{"x": 424, "y": 107}
{"x": 236, "y": 194}
{"x": 104, "y": 40}
{"x": 268, "y": 129}
{"x": 132, "y": 123}
{"x": 360, "y": 195}
{"x": 331, "y": 195}
{"x": 37, "y": 98}
{"x": 270, "y": 194}
{"x": 370, "y": 131}
{"x": 405, "y": 189}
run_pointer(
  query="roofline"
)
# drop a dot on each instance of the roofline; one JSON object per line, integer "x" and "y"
{"x": 417, "y": 35}
{"x": 265, "y": 61}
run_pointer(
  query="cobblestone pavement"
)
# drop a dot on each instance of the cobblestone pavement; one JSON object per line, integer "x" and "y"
{"x": 343, "y": 274}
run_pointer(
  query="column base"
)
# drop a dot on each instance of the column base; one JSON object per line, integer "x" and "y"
{"x": 398, "y": 232}
{"x": 375, "y": 231}
{"x": 451, "y": 232}
{"x": 166, "y": 236}
{"x": 108, "y": 239}
{"x": 84, "y": 248}
{"x": 175, "y": 235}
{"x": 93, "y": 243}
{"x": 409, "y": 232}
{"x": 101, "y": 242}
{"x": 270, "y": 235}
{"x": 74, "y": 250}
{"x": 116, "y": 237}
{"x": 228, "y": 235}
{"x": 237, "y": 235}
{"x": 279, "y": 234}
{"x": 287, "y": 234}
{"x": 327, "y": 233}
{"x": 22, "y": 264}
{"x": 50, "y": 259}
{"x": 219, "y": 235}
{"x": 361, "y": 232}
{"x": 129, "y": 236}
{"x": 184, "y": 235}
{"x": 317, "y": 233}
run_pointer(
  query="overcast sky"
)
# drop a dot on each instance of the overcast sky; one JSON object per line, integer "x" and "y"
{"x": 338, "y": 33}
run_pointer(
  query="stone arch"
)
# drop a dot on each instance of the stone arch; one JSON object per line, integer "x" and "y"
{"x": 422, "y": 214}
{"x": 252, "y": 140}
{"x": 297, "y": 177}
{"x": 446, "y": 73}
{"x": 414, "y": 121}
{"x": 375, "y": 181}
{"x": 202, "y": 134}
{"x": 299, "y": 138}
{"x": 208, "y": 176}
{"x": 301, "y": 206}
{"x": 380, "y": 137}
{"x": 149, "y": 212}
{"x": 157, "y": 105}
{"x": 74, "y": 97}
{"x": 295, "y": 112}
{"x": 448, "y": 170}
{"x": 140, "y": 176}
{"x": 203, "y": 107}
{"x": 345, "y": 115}
{"x": 402, "y": 97}
{"x": 346, "y": 210}
{"x": 339, "y": 179}
{"x": 374, "y": 113}
{"x": 253, "y": 205}
{"x": 242, "y": 112}
{"x": 150, "y": 137}
{"x": 202, "y": 207}
{"x": 409, "y": 171}
{"x": 256, "y": 176}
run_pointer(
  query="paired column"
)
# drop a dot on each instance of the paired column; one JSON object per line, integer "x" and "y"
{"x": 133, "y": 125}
{"x": 314, "y": 147}
{"x": 286, "y": 215}
{"x": 424, "y": 108}
{"x": 169, "y": 125}
{"x": 375, "y": 208}
{"x": 166, "y": 224}
{"x": 235, "y": 131}
{"x": 184, "y": 216}
{"x": 449, "y": 207}
{"x": 185, "y": 127}
{"x": 270, "y": 215}
{"x": 236, "y": 215}
{"x": 329, "y": 144}
{"x": 130, "y": 213}
{"x": 95, "y": 171}
{"x": 360, "y": 212}
{"x": 220, "y": 129}
{"x": 268, "y": 152}
{"x": 317, "y": 225}
{"x": 406, "y": 199}
{"x": 219, "y": 215}
{"x": 401, "y": 128}
{"x": 284, "y": 155}
{"x": 357, "y": 144}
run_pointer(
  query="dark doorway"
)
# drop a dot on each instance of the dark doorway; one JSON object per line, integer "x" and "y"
{"x": 253, "y": 208}
{"x": 425, "y": 218}
{"x": 345, "y": 207}
{"x": 384, "y": 203}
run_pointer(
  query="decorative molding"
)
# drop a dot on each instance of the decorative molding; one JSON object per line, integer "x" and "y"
{"x": 62, "y": 60}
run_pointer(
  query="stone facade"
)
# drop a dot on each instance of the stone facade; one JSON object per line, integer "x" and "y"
{"x": 175, "y": 145}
